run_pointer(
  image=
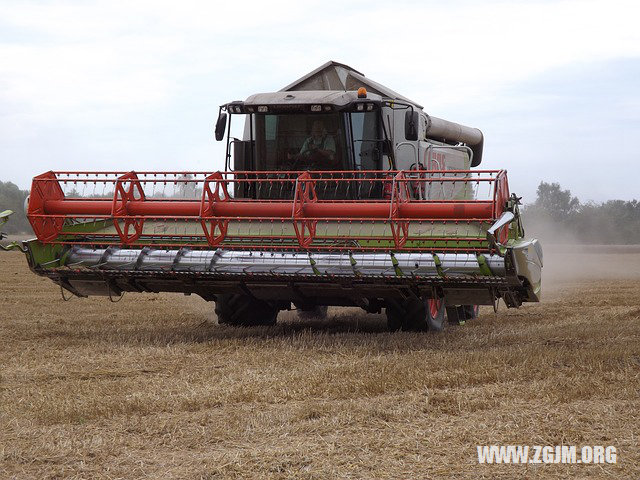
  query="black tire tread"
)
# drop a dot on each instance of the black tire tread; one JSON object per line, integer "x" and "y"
{"x": 244, "y": 310}
{"x": 411, "y": 314}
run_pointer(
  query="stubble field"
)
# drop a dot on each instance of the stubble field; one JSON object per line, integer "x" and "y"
{"x": 151, "y": 387}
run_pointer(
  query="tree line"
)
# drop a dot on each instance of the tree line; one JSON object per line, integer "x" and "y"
{"x": 12, "y": 198}
{"x": 558, "y": 217}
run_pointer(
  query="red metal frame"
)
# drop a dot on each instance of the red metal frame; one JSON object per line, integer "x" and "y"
{"x": 304, "y": 195}
{"x": 45, "y": 188}
{"x": 303, "y": 206}
{"x": 127, "y": 186}
{"x": 399, "y": 197}
{"x": 500, "y": 198}
{"x": 215, "y": 228}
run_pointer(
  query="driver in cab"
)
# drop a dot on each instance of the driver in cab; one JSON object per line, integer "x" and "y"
{"x": 319, "y": 147}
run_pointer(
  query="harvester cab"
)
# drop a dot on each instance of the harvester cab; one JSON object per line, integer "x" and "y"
{"x": 344, "y": 131}
{"x": 339, "y": 192}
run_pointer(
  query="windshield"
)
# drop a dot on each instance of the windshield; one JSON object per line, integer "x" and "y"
{"x": 333, "y": 141}
{"x": 300, "y": 142}
{"x": 318, "y": 141}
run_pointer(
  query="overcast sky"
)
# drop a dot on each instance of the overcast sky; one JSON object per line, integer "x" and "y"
{"x": 554, "y": 85}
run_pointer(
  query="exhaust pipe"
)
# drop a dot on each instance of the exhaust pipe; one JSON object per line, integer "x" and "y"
{"x": 448, "y": 132}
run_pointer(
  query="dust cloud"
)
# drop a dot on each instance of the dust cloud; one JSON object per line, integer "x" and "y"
{"x": 566, "y": 260}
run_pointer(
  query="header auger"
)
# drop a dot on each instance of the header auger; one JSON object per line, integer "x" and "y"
{"x": 333, "y": 197}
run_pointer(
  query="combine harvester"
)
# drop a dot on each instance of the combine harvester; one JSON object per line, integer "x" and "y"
{"x": 340, "y": 192}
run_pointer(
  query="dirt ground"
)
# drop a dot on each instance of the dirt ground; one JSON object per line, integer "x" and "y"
{"x": 151, "y": 388}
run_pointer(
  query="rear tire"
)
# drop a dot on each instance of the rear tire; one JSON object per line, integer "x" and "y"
{"x": 244, "y": 311}
{"x": 458, "y": 315}
{"x": 416, "y": 315}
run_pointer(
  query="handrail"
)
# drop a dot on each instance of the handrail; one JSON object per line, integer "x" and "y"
{"x": 442, "y": 147}
{"x": 411, "y": 144}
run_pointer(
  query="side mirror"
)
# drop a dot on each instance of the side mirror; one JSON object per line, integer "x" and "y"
{"x": 221, "y": 125}
{"x": 411, "y": 122}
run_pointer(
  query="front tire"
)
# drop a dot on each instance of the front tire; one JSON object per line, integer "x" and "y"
{"x": 435, "y": 314}
{"x": 244, "y": 311}
{"x": 416, "y": 315}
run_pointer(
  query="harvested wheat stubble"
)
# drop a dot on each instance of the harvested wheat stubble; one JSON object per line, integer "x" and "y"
{"x": 151, "y": 387}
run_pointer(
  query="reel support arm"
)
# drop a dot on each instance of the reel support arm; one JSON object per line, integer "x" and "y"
{"x": 492, "y": 236}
